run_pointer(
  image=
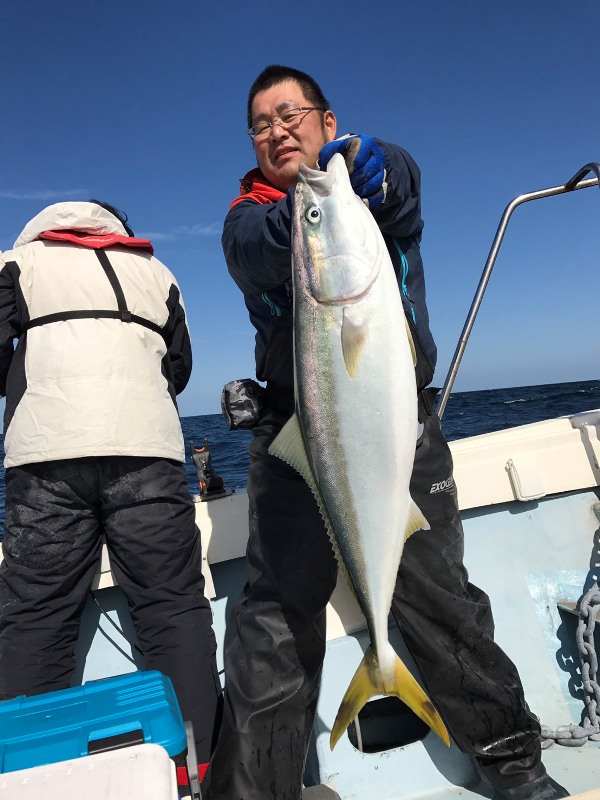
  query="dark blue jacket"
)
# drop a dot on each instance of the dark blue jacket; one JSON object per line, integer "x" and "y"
{"x": 257, "y": 246}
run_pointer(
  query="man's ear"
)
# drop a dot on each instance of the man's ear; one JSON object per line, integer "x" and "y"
{"x": 330, "y": 125}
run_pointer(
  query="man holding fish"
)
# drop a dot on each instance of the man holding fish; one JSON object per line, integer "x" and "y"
{"x": 324, "y": 243}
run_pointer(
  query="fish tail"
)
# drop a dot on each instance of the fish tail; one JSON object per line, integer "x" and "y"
{"x": 368, "y": 681}
{"x": 409, "y": 691}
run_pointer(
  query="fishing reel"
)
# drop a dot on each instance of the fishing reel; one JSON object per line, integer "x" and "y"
{"x": 210, "y": 484}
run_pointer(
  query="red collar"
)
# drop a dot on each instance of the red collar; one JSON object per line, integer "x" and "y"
{"x": 97, "y": 241}
{"x": 254, "y": 186}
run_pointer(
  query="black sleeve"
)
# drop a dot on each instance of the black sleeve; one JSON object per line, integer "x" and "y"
{"x": 400, "y": 215}
{"x": 257, "y": 243}
{"x": 9, "y": 318}
{"x": 178, "y": 341}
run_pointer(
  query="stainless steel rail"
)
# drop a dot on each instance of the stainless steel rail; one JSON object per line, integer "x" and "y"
{"x": 575, "y": 183}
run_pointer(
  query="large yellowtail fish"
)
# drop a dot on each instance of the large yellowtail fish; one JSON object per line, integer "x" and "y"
{"x": 353, "y": 434}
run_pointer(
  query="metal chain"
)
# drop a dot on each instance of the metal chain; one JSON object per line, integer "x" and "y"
{"x": 578, "y": 735}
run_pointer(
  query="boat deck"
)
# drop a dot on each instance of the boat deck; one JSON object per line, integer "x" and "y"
{"x": 531, "y": 540}
{"x": 327, "y": 793}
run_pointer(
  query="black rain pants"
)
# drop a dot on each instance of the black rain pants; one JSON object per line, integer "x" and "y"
{"x": 56, "y": 514}
{"x": 275, "y": 639}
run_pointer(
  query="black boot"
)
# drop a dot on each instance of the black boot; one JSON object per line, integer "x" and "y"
{"x": 513, "y": 765}
{"x": 542, "y": 788}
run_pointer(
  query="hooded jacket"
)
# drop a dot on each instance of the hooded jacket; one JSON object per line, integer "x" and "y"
{"x": 102, "y": 341}
{"x": 257, "y": 246}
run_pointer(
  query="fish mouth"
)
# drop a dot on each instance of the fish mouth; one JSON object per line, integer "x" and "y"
{"x": 321, "y": 183}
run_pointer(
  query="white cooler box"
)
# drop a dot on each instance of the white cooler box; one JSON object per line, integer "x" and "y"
{"x": 140, "y": 772}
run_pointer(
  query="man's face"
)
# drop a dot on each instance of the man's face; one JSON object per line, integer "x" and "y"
{"x": 280, "y": 151}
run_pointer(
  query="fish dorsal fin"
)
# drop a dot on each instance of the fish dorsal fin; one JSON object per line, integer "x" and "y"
{"x": 289, "y": 446}
{"x": 411, "y": 343}
{"x": 416, "y": 521}
{"x": 354, "y": 338}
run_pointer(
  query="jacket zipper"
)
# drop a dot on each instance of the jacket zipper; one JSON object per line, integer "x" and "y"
{"x": 275, "y": 310}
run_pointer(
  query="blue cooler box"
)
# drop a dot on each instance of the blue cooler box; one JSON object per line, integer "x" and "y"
{"x": 136, "y": 708}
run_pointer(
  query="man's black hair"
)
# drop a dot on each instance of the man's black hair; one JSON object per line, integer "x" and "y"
{"x": 120, "y": 215}
{"x": 275, "y": 74}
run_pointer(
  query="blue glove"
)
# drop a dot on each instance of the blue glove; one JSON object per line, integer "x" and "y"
{"x": 366, "y": 166}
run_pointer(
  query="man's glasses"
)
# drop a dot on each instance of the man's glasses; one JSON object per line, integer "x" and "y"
{"x": 285, "y": 120}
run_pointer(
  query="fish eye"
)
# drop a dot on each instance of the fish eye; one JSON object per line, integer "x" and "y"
{"x": 313, "y": 214}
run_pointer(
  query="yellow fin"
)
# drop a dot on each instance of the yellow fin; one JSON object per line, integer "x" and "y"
{"x": 368, "y": 681}
{"x": 409, "y": 691}
{"x": 411, "y": 343}
{"x": 416, "y": 521}
{"x": 289, "y": 446}
{"x": 360, "y": 690}
{"x": 354, "y": 338}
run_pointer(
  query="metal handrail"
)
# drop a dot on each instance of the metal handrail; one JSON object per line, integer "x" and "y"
{"x": 573, "y": 184}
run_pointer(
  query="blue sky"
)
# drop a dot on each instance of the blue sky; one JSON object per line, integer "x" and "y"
{"x": 143, "y": 105}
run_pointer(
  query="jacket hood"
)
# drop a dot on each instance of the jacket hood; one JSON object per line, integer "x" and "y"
{"x": 81, "y": 216}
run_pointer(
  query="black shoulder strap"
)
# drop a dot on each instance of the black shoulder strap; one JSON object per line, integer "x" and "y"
{"x": 122, "y": 313}
{"x": 113, "y": 280}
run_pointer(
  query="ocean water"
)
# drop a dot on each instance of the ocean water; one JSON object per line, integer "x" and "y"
{"x": 467, "y": 414}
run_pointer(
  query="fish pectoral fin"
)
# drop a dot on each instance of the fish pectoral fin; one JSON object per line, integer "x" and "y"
{"x": 289, "y": 446}
{"x": 411, "y": 342}
{"x": 368, "y": 681}
{"x": 354, "y": 337}
{"x": 416, "y": 521}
